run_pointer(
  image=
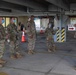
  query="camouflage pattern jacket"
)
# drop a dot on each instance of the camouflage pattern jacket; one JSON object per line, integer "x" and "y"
{"x": 31, "y": 30}
{"x": 12, "y": 31}
{"x": 2, "y": 32}
{"x": 49, "y": 32}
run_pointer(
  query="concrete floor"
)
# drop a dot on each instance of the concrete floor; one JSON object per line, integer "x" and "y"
{"x": 61, "y": 62}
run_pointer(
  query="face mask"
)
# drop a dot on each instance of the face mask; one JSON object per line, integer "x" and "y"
{"x": 3, "y": 21}
{"x": 14, "y": 21}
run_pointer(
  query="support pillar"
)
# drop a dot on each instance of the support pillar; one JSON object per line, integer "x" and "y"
{"x": 60, "y": 35}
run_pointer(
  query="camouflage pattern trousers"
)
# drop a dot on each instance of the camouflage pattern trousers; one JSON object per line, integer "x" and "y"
{"x": 14, "y": 46}
{"x": 31, "y": 44}
{"x": 50, "y": 44}
{"x": 2, "y": 47}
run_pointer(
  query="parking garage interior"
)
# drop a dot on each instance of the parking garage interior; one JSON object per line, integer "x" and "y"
{"x": 63, "y": 14}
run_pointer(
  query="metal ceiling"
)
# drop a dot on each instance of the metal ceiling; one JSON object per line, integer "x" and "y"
{"x": 36, "y": 6}
{"x": 72, "y": 1}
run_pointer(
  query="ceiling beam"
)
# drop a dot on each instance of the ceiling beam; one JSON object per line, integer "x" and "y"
{"x": 59, "y": 3}
{"x": 73, "y": 6}
{"x": 28, "y": 3}
{"x": 5, "y": 10}
{"x": 12, "y": 6}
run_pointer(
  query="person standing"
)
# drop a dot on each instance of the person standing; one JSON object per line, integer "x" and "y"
{"x": 2, "y": 45}
{"x": 12, "y": 39}
{"x": 31, "y": 32}
{"x": 49, "y": 37}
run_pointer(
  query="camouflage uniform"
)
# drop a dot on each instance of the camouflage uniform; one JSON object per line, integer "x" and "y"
{"x": 49, "y": 37}
{"x": 19, "y": 36}
{"x": 19, "y": 31}
{"x": 13, "y": 37}
{"x": 31, "y": 32}
{"x": 2, "y": 45}
{"x": 18, "y": 42}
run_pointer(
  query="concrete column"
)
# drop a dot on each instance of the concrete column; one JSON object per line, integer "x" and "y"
{"x": 64, "y": 20}
{"x": 57, "y": 24}
{"x": 61, "y": 24}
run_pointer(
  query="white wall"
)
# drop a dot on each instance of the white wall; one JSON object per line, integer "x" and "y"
{"x": 44, "y": 22}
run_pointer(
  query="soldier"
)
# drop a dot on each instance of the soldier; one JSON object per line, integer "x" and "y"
{"x": 12, "y": 39}
{"x": 49, "y": 37}
{"x": 2, "y": 45}
{"x": 31, "y": 32}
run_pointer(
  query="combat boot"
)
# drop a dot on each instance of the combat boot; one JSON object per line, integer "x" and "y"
{"x": 1, "y": 65}
{"x": 54, "y": 49}
{"x": 49, "y": 50}
{"x": 33, "y": 52}
{"x": 29, "y": 52}
{"x": 13, "y": 56}
{"x": 18, "y": 55}
{"x": 2, "y": 61}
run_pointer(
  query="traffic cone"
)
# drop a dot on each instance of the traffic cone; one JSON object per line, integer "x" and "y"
{"x": 23, "y": 37}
